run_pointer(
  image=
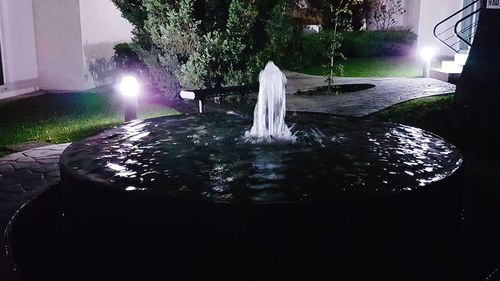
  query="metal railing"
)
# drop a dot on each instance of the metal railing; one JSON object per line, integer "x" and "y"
{"x": 460, "y": 27}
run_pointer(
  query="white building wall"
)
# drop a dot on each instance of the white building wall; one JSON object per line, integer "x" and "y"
{"x": 75, "y": 40}
{"x": 422, "y": 16}
{"x": 102, "y": 28}
{"x": 411, "y": 18}
{"x": 17, "y": 36}
{"x": 59, "y": 47}
{"x": 431, "y": 13}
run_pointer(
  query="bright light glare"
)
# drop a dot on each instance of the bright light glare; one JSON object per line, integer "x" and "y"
{"x": 129, "y": 86}
{"x": 427, "y": 53}
{"x": 188, "y": 95}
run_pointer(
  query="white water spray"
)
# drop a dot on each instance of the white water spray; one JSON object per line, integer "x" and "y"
{"x": 270, "y": 110}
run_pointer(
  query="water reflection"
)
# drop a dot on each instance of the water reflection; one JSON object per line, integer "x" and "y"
{"x": 207, "y": 156}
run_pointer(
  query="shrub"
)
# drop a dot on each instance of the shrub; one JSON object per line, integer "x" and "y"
{"x": 381, "y": 43}
{"x": 213, "y": 43}
{"x": 344, "y": 20}
{"x": 279, "y": 31}
{"x": 382, "y": 14}
{"x": 186, "y": 46}
{"x": 135, "y": 13}
{"x": 126, "y": 58}
{"x": 313, "y": 51}
{"x": 354, "y": 44}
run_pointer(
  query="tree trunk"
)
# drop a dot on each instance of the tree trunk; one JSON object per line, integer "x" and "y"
{"x": 478, "y": 92}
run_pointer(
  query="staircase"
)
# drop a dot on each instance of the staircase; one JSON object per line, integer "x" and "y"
{"x": 457, "y": 33}
{"x": 451, "y": 70}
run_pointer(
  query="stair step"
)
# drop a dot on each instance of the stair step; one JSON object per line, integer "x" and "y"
{"x": 461, "y": 59}
{"x": 444, "y": 75}
{"x": 451, "y": 67}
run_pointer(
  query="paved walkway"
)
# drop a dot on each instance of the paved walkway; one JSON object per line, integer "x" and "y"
{"x": 25, "y": 174}
{"x": 387, "y": 92}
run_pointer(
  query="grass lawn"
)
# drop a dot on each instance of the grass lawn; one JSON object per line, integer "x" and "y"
{"x": 61, "y": 118}
{"x": 479, "y": 180}
{"x": 431, "y": 113}
{"x": 479, "y": 148}
{"x": 375, "y": 67}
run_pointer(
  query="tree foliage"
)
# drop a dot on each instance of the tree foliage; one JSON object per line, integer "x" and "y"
{"x": 193, "y": 44}
{"x": 383, "y": 13}
{"x": 136, "y": 14}
{"x": 279, "y": 32}
{"x": 327, "y": 13}
{"x": 341, "y": 13}
{"x": 213, "y": 43}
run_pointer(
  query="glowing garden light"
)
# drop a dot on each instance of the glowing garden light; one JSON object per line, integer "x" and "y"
{"x": 188, "y": 95}
{"x": 129, "y": 88}
{"x": 427, "y": 54}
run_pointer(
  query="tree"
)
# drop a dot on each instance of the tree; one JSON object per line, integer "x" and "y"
{"x": 193, "y": 43}
{"x": 477, "y": 96}
{"x": 136, "y": 14}
{"x": 327, "y": 14}
{"x": 382, "y": 13}
{"x": 279, "y": 31}
{"x": 341, "y": 15}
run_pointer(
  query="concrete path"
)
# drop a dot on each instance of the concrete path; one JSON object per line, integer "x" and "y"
{"x": 387, "y": 92}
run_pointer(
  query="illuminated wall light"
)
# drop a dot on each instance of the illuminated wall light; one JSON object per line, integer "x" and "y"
{"x": 188, "y": 95}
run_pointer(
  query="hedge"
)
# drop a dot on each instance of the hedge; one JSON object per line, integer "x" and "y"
{"x": 378, "y": 43}
{"x": 354, "y": 44}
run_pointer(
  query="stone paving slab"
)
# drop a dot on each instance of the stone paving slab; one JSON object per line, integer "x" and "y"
{"x": 30, "y": 172}
{"x": 386, "y": 93}
{"x": 23, "y": 176}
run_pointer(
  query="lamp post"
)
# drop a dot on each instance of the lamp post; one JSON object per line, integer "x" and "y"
{"x": 129, "y": 88}
{"x": 427, "y": 54}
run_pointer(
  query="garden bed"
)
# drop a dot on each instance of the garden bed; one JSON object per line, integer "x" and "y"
{"x": 336, "y": 90}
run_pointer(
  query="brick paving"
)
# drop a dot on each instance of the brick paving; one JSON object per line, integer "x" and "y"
{"x": 25, "y": 174}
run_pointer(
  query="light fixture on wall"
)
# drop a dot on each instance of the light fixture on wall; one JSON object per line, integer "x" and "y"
{"x": 129, "y": 88}
{"x": 427, "y": 54}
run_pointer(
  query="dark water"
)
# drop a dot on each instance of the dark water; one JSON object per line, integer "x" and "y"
{"x": 207, "y": 157}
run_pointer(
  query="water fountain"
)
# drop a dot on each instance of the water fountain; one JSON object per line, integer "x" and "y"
{"x": 195, "y": 197}
{"x": 270, "y": 110}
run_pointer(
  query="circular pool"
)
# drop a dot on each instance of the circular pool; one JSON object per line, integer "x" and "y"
{"x": 190, "y": 198}
{"x": 206, "y": 158}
